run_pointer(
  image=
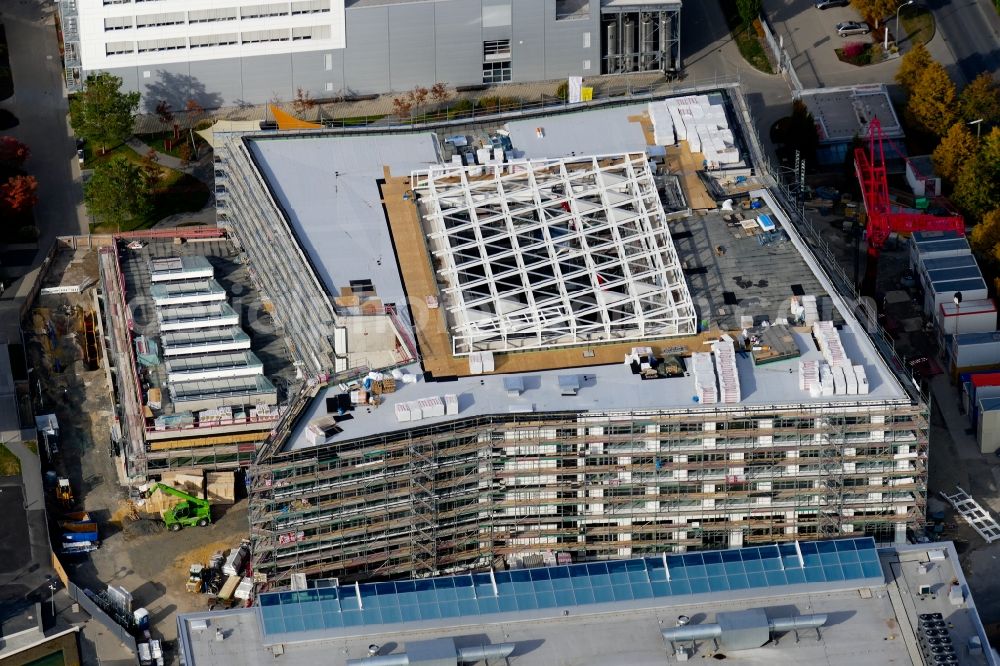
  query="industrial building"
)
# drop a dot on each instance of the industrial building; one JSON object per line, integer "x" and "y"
{"x": 835, "y": 603}
{"x": 568, "y": 348}
{"x": 224, "y": 54}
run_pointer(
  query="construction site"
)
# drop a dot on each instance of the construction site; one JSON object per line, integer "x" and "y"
{"x": 576, "y": 336}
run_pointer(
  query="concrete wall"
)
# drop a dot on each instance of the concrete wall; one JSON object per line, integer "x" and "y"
{"x": 389, "y": 48}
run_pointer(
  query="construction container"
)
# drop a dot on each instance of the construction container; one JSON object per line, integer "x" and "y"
{"x": 942, "y": 288}
{"x": 974, "y": 386}
{"x": 988, "y": 428}
{"x": 235, "y": 560}
{"x": 926, "y": 266}
{"x": 935, "y": 244}
{"x": 168, "y": 269}
{"x": 974, "y": 351}
{"x": 971, "y": 316}
{"x": 229, "y": 588}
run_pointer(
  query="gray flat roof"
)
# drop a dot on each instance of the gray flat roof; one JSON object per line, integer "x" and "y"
{"x": 202, "y": 336}
{"x": 185, "y": 288}
{"x": 605, "y": 388}
{"x": 593, "y": 132}
{"x": 846, "y": 111}
{"x": 322, "y": 179}
{"x": 201, "y": 388}
{"x": 870, "y": 622}
{"x": 212, "y": 361}
{"x": 174, "y": 313}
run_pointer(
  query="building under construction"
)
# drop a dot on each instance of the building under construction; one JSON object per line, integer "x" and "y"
{"x": 540, "y": 355}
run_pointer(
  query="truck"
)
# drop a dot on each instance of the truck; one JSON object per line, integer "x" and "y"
{"x": 188, "y": 512}
{"x": 79, "y": 531}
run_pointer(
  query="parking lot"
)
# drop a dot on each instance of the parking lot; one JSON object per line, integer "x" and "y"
{"x": 810, "y": 37}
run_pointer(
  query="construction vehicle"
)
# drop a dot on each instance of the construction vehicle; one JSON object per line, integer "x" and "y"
{"x": 883, "y": 219}
{"x": 189, "y": 511}
{"x": 64, "y": 493}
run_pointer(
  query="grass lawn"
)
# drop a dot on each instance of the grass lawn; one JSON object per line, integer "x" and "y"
{"x": 9, "y": 464}
{"x": 917, "y": 24}
{"x": 354, "y": 121}
{"x": 32, "y": 445}
{"x": 158, "y": 142}
{"x": 176, "y": 192}
{"x": 746, "y": 38}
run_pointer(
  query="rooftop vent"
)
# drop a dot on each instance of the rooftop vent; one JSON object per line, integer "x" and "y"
{"x": 514, "y": 386}
{"x": 569, "y": 384}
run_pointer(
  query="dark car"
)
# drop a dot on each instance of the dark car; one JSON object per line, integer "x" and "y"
{"x": 826, "y": 4}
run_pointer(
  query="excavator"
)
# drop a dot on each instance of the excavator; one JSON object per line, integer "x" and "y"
{"x": 190, "y": 511}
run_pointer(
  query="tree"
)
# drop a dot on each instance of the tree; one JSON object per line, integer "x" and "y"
{"x": 975, "y": 189}
{"x": 102, "y": 113}
{"x": 118, "y": 194}
{"x": 18, "y": 194}
{"x": 439, "y": 92}
{"x": 956, "y": 148}
{"x": 13, "y": 153}
{"x": 303, "y": 101}
{"x": 801, "y": 132}
{"x": 985, "y": 236}
{"x": 912, "y": 65}
{"x": 749, "y": 11}
{"x": 151, "y": 168}
{"x": 875, "y": 10}
{"x": 981, "y": 100}
{"x": 164, "y": 112}
{"x": 933, "y": 104}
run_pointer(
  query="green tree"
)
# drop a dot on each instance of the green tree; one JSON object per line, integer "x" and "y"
{"x": 118, "y": 194}
{"x": 102, "y": 114}
{"x": 933, "y": 103}
{"x": 912, "y": 65}
{"x": 981, "y": 99}
{"x": 975, "y": 189}
{"x": 749, "y": 10}
{"x": 955, "y": 149}
{"x": 985, "y": 237}
{"x": 802, "y": 135}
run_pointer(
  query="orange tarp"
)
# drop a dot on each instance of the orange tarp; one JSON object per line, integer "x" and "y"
{"x": 287, "y": 121}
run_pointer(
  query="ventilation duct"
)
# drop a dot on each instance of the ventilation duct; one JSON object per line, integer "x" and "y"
{"x": 742, "y": 630}
{"x": 437, "y": 651}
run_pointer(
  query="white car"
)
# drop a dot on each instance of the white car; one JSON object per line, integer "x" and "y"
{"x": 848, "y": 28}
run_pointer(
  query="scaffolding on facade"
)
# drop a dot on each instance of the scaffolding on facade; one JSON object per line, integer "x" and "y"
{"x": 467, "y": 494}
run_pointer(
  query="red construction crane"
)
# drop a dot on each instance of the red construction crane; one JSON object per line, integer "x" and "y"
{"x": 869, "y": 165}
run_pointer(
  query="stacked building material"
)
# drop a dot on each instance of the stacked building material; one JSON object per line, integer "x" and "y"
{"x": 811, "y": 314}
{"x": 809, "y": 377}
{"x": 828, "y": 341}
{"x": 663, "y": 124}
{"x": 704, "y": 378}
{"x": 725, "y": 368}
{"x": 700, "y": 122}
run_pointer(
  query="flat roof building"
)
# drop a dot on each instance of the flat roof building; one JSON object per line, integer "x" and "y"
{"x": 837, "y": 603}
{"x": 614, "y": 412}
{"x": 224, "y": 53}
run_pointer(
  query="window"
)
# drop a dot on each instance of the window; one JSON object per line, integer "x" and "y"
{"x": 168, "y": 18}
{"x": 118, "y": 48}
{"x": 256, "y": 36}
{"x": 171, "y": 44}
{"x": 118, "y": 23}
{"x": 311, "y": 7}
{"x": 496, "y": 72}
{"x": 204, "y": 41}
{"x": 311, "y": 32}
{"x": 117, "y": 2}
{"x": 498, "y": 49}
{"x": 209, "y": 15}
{"x": 258, "y": 11}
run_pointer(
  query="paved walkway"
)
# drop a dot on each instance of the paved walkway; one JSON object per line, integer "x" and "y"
{"x": 39, "y": 102}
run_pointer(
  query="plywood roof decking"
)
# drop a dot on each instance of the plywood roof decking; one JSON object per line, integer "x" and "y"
{"x": 683, "y": 163}
{"x": 431, "y": 328}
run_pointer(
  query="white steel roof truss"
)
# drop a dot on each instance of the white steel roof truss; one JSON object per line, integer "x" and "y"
{"x": 577, "y": 248}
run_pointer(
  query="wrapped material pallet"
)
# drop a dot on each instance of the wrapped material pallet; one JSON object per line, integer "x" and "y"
{"x": 450, "y": 404}
{"x": 220, "y": 487}
{"x": 859, "y": 373}
{"x": 839, "y": 381}
{"x": 825, "y": 381}
{"x": 852, "y": 381}
{"x": 403, "y": 413}
{"x": 431, "y": 407}
{"x": 809, "y": 377}
{"x": 704, "y": 378}
{"x": 725, "y": 368}
{"x": 828, "y": 341}
{"x": 811, "y": 309}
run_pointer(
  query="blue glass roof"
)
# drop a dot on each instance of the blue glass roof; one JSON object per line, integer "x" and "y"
{"x": 480, "y": 595}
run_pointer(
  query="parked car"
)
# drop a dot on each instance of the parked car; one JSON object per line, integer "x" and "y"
{"x": 79, "y": 155}
{"x": 848, "y": 28}
{"x": 826, "y": 4}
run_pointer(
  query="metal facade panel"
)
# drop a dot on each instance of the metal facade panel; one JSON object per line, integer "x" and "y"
{"x": 167, "y": 81}
{"x": 528, "y": 43}
{"x": 267, "y": 77}
{"x": 310, "y": 73}
{"x": 366, "y": 58}
{"x": 564, "y": 49}
{"x": 411, "y": 46}
{"x": 459, "y": 42}
{"x": 216, "y": 83}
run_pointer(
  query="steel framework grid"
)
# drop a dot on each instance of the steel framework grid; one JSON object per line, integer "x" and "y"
{"x": 553, "y": 252}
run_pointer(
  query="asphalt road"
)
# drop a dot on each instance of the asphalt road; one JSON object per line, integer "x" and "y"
{"x": 971, "y": 31}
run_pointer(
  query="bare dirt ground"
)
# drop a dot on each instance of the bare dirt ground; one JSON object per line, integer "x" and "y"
{"x": 142, "y": 556}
